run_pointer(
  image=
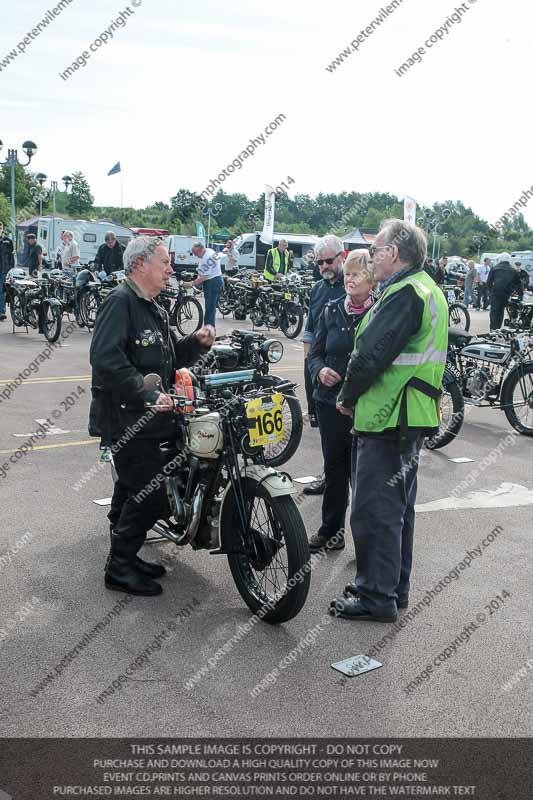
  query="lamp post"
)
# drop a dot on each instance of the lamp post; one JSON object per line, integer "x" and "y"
{"x": 45, "y": 194}
{"x": 211, "y": 211}
{"x": 30, "y": 148}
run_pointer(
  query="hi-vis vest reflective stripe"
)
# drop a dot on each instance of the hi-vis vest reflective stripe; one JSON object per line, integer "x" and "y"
{"x": 422, "y": 363}
{"x": 276, "y": 263}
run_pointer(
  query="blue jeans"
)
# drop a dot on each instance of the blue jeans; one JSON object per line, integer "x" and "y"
{"x": 212, "y": 289}
{"x": 383, "y": 520}
{"x": 469, "y": 297}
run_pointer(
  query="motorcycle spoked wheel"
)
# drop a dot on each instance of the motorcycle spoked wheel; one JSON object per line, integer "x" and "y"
{"x": 291, "y": 320}
{"x": 276, "y": 550}
{"x": 52, "y": 321}
{"x": 517, "y": 399}
{"x": 452, "y": 411}
{"x": 16, "y": 311}
{"x": 188, "y": 316}
{"x": 459, "y": 316}
{"x": 88, "y": 306}
{"x": 279, "y": 453}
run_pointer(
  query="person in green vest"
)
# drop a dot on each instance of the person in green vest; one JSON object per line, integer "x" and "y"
{"x": 392, "y": 388}
{"x": 277, "y": 261}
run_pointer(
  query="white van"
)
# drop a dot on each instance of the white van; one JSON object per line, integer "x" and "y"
{"x": 87, "y": 233}
{"x": 179, "y": 248}
{"x": 252, "y": 251}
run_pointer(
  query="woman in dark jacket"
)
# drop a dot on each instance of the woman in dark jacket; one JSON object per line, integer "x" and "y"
{"x": 328, "y": 360}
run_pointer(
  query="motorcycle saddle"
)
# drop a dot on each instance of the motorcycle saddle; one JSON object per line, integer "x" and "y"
{"x": 459, "y": 337}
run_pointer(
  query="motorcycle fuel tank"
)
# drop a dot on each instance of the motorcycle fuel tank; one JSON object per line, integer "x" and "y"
{"x": 205, "y": 436}
{"x": 487, "y": 351}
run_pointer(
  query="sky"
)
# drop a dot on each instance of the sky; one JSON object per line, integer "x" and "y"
{"x": 181, "y": 89}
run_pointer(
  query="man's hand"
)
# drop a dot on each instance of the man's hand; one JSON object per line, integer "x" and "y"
{"x": 206, "y": 335}
{"x": 328, "y": 376}
{"x": 186, "y": 284}
{"x": 348, "y": 412}
{"x": 163, "y": 403}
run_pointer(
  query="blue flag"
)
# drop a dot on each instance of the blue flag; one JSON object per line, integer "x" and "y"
{"x": 115, "y": 169}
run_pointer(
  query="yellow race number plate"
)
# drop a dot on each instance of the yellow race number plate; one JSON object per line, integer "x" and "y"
{"x": 265, "y": 420}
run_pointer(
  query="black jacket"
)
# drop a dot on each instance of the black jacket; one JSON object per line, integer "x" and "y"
{"x": 398, "y": 318}
{"x": 504, "y": 279}
{"x": 110, "y": 259}
{"x": 322, "y": 292}
{"x": 132, "y": 337}
{"x": 332, "y": 347}
{"x": 7, "y": 258}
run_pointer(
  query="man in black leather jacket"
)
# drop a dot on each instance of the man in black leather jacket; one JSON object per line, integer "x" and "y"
{"x": 132, "y": 338}
{"x": 110, "y": 255}
{"x": 7, "y": 262}
{"x": 502, "y": 281}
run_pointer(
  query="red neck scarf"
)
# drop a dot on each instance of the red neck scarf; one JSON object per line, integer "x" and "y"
{"x": 351, "y": 308}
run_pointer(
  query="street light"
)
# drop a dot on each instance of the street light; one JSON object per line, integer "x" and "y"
{"x": 211, "y": 211}
{"x": 29, "y": 148}
{"x": 54, "y": 187}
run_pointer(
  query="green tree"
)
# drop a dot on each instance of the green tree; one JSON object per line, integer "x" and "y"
{"x": 80, "y": 200}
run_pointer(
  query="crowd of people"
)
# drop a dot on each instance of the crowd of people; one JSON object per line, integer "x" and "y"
{"x": 487, "y": 286}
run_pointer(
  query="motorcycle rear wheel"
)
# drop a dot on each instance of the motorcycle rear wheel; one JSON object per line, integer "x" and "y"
{"x": 279, "y": 453}
{"x": 187, "y": 315}
{"x": 453, "y": 414}
{"x": 52, "y": 322}
{"x": 277, "y": 552}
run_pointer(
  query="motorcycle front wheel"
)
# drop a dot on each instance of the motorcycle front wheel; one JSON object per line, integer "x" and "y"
{"x": 187, "y": 316}
{"x": 292, "y": 320}
{"x": 517, "y": 398}
{"x": 270, "y": 574}
{"x": 52, "y": 321}
{"x": 459, "y": 316}
{"x": 89, "y": 302}
{"x": 452, "y": 414}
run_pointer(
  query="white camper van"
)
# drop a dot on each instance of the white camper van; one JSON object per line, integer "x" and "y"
{"x": 252, "y": 251}
{"x": 88, "y": 233}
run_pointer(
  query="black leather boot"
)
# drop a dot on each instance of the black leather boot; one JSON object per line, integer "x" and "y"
{"x": 145, "y": 567}
{"x": 122, "y": 575}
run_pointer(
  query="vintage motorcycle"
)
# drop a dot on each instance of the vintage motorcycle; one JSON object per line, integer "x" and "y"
{"x": 490, "y": 371}
{"x": 250, "y": 350}
{"x": 520, "y": 315}
{"x": 223, "y": 499}
{"x": 31, "y": 304}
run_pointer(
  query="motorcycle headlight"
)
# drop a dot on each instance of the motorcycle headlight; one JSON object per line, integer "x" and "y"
{"x": 272, "y": 350}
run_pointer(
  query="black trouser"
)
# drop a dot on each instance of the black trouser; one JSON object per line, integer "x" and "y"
{"x": 309, "y": 389}
{"x": 482, "y": 293}
{"x": 137, "y": 503}
{"x": 336, "y": 438}
{"x": 383, "y": 520}
{"x": 498, "y": 301}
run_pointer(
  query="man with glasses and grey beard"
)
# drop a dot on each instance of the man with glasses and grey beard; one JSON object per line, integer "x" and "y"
{"x": 392, "y": 388}
{"x": 329, "y": 259}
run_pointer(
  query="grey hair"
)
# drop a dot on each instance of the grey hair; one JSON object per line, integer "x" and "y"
{"x": 140, "y": 247}
{"x": 283, "y": 241}
{"x": 329, "y": 242}
{"x": 197, "y": 244}
{"x": 409, "y": 239}
{"x": 109, "y": 235}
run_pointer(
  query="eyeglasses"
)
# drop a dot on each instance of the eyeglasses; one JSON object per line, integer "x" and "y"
{"x": 373, "y": 250}
{"x": 329, "y": 261}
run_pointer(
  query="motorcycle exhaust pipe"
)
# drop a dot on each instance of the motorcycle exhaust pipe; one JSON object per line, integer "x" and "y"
{"x": 196, "y": 512}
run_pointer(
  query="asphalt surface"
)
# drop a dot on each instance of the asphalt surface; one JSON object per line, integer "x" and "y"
{"x": 54, "y": 541}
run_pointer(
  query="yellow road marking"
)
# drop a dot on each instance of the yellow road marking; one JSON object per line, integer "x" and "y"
{"x": 52, "y": 446}
{"x": 64, "y": 379}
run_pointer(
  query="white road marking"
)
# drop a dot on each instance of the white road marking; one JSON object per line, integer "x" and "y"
{"x": 53, "y": 431}
{"x": 505, "y": 496}
{"x": 461, "y": 460}
{"x": 106, "y": 501}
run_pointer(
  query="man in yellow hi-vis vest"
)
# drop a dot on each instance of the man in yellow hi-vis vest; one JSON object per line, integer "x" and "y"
{"x": 392, "y": 389}
{"x": 277, "y": 261}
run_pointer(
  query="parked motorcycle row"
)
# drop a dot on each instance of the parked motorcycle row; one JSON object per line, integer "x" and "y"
{"x": 281, "y": 304}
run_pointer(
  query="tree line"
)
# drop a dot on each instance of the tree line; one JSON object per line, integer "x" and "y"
{"x": 455, "y": 228}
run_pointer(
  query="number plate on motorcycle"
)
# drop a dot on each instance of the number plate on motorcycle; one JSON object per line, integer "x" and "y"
{"x": 265, "y": 420}
{"x": 451, "y": 296}
{"x": 287, "y": 295}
